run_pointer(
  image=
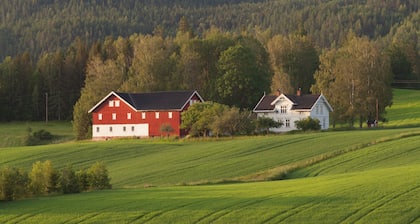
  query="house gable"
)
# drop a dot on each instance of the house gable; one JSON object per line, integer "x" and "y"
{"x": 99, "y": 104}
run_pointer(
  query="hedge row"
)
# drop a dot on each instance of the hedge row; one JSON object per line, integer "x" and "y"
{"x": 43, "y": 179}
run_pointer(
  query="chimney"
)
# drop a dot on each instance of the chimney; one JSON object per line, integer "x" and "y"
{"x": 278, "y": 92}
{"x": 299, "y": 92}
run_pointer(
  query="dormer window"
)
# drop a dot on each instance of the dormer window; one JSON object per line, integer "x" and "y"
{"x": 283, "y": 109}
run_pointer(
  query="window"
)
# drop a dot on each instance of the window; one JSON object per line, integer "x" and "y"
{"x": 193, "y": 102}
{"x": 97, "y": 129}
{"x": 124, "y": 129}
{"x": 114, "y": 116}
{"x": 111, "y": 103}
{"x": 110, "y": 129}
{"x": 157, "y": 115}
{"x": 143, "y": 115}
{"x": 117, "y": 103}
{"x": 170, "y": 115}
{"x": 128, "y": 116}
{"x": 100, "y": 117}
{"x": 132, "y": 128}
{"x": 287, "y": 123}
{"x": 283, "y": 109}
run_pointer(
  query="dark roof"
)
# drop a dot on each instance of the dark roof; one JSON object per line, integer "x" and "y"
{"x": 265, "y": 103}
{"x": 302, "y": 102}
{"x": 175, "y": 100}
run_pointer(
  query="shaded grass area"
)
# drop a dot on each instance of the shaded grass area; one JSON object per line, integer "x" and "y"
{"x": 385, "y": 195}
{"x": 13, "y": 134}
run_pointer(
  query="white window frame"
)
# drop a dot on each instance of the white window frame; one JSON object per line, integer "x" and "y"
{"x": 117, "y": 103}
{"x": 283, "y": 109}
{"x": 170, "y": 115}
{"x": 143, "y": 115}
{"x": 111, "y": 103}
{"x": 287, "y": 123}
{"x": 157, "y": 115}
{"x": 114, "y": 116}
{"x": 128, "y": 116}
{"x": 100, "y": 116}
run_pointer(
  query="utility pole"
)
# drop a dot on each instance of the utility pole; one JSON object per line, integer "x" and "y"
{"x": 46, "y": 107}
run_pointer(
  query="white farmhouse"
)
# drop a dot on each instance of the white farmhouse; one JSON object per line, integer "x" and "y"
{"x": 290, "y": 108}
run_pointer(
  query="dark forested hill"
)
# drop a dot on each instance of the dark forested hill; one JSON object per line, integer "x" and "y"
{"x": 40, "y": 26}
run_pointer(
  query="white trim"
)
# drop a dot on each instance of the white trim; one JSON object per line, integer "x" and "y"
{"x": 325, "y": 101}
{"x": 278, "y": 98}
{"x": 106, "y": 97}
{"x": 256, "y": 111}
{"x": 189, "y": 99}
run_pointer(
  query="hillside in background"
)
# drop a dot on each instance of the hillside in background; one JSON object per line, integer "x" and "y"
{"x": 368, "y": 176}
{"x": 41, "y": 26}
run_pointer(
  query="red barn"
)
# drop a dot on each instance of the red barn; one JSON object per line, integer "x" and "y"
{"x": 141, "y": 114}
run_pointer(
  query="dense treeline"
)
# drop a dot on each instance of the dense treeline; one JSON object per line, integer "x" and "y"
{"x": 231, "y": 51}
{"x": 41, "y": 26}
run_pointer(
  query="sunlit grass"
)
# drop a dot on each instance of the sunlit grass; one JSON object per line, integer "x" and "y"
{"x": 137, "y": 163}
{"x": 405, "y": 110}
{"x": 387, "y": 195}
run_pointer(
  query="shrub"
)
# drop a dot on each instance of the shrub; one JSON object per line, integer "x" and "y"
{"x": 43, "y": 178}
{"x": 68, "y": 182}
{"x": 308, "y": 124}
{"x": 37, "y": 137}
{"x": 42, "y": 135}
{"x": 13, "y": 184}
{"x": 265, "y": 123}
{"x": 97, "y": 176}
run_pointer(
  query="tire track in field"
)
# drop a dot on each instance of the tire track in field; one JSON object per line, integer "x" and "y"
{"x": 218, "y": 214}
{"x": 158, "y": 214}
{"x": 359, "y": 214}
{"x": 284, "y": 215}
{"x": 25, "y": 217}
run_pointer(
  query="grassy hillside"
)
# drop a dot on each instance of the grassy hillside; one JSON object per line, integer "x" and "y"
{"x": 135, "y": 163}
{"x": 386, "y": 195}
{"x": 365, "y": 176}
{"x": 14, "y": 133}
{"x": 405, "y": 110}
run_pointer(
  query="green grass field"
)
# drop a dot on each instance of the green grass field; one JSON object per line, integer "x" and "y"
{"x": 358, "y": 176}
{"x": 14, "y": 133}
{"x": 405, "y": 111}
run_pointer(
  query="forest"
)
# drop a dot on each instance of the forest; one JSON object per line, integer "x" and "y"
{"x": 60, "y": 57}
